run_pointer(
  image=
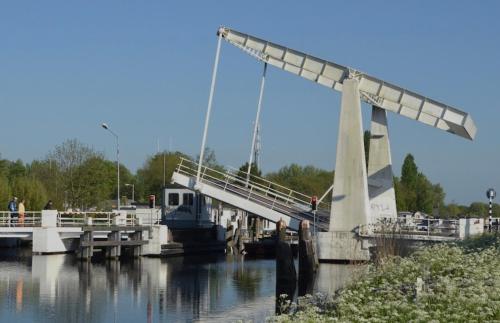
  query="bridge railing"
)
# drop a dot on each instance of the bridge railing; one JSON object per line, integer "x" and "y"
{"x": 272, "y": 195}
{"x": 259, "y": 184}
{"x": 429, "y": 227}
{"x": 75, "y": 219}
{"x": 13, "y": 219}
{"x": 275, "y": 188}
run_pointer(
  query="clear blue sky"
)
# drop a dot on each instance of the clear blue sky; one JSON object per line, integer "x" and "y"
{"x": 145, "y": 66}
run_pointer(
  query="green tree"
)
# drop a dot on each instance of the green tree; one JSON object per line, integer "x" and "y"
{"x": 496, "y": 210}
{"x": 48, "y": 173}
{"x": 32, "y": 191}
{"x": 16, "y": 170}
{"x": 5, "y": 192}
{"x": 254, "y": 170}
{"x": 414, "y": 192}
{"x": 478, "y": 209}
{"x": 96, "y": 182}
{"x": 68, "y": 158}
{"x": 409, "y": 172}
{"x": 255, "y": 174}
{"x": 150, "y": 176}
{"x": 210, "y": 160}
{"x": 409, "y": 179}
{"x": 451, "y": 210}
{"x": 438, "y": 197}
{"x": 307, "y": 180}
{"x": 424, "y": 194}
{"x": 4, "y": 167}
{"x": 400, "y": 193}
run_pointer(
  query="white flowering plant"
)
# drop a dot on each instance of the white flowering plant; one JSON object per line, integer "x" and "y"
{"x": 457, "y": 282}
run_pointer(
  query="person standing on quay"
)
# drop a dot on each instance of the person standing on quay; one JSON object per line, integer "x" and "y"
{"x": 22, "y": 212}
{"x": 12, "y": 207}
{"x": 48, "y": 206}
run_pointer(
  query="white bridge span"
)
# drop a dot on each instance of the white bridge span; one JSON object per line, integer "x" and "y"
{"x": 273, "y": 202}
{"x": 256, "y": 195}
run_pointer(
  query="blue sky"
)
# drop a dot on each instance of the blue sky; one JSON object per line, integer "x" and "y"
{"x": 144, "y": 67}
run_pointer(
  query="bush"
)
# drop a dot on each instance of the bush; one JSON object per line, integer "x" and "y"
{"x": 441, "y": 283}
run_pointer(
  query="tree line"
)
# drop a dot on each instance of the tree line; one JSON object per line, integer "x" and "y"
{"x": 75, "y": 175}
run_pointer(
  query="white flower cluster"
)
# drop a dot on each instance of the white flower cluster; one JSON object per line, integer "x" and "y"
{"x": 441, "y": 283}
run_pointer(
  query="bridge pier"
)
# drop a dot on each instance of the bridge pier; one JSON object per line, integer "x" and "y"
{"x": 86, "y": 249}
{"x": 380, "y": 177}
{"x": 350, "y": 199}
{"x": 114, "y": 251}
{"x": 136, "y": 250}
{"x": 156, "y": 236}
{"x": 47, "y": 238}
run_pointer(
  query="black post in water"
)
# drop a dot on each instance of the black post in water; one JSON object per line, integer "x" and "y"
{"x": 307, "y": 259}
{"x": 286, "y": 275}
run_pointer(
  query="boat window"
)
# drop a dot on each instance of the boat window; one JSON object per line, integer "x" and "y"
{"x": 173, "y": 199}
{"x": 187, "y": 199}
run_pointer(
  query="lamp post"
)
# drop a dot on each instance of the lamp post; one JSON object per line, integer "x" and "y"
{"x": 105, "y": 126}
{"x": 133, "y": 191}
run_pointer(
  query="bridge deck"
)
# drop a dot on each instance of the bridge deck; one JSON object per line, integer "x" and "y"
{"x": 258, "y": 196}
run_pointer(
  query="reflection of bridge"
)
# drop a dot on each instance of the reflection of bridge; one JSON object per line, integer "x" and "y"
{"x": 51, "y": 231}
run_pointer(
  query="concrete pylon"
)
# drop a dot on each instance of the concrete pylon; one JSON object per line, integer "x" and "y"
{"x": 380, "y": 176}
{"x": 350, "y": 200}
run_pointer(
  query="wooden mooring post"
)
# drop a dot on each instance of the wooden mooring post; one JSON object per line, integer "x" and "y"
{"x": 114, "y": 251}
{"x": 86, "y": 249}
{"x": 238, "y": 245}
{"x": 286, "y": 275}
{"x": 113, "y": 244}
{"x": 136, "y": 250}
{"x": 308, "y": 261}
{"x": 229, "y": 237}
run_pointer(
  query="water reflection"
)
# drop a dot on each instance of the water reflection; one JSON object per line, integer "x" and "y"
{"x": 60, "y": 288}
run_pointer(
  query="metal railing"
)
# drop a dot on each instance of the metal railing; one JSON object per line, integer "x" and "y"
{"x": 260, "y": 190}
{"x": 14, "y": 219}
{"x": 75, "y": 219}
{"x": 65, "y": 219}
{"x": 405, "y": 226}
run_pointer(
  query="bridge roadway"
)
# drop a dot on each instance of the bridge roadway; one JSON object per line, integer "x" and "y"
{"x": 271, "y": 204}
{"x": 263, "y": 200}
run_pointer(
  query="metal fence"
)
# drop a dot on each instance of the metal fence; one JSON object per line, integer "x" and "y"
{"x": 69, "y": 219}
{"x": 260, "y": 190}
{"x": 411, "y": 226}
{"x": 14, "y": 219}
{"x": 66, "y": 219}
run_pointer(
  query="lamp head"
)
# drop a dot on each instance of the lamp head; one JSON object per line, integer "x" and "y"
{"x": 105, "y": 126}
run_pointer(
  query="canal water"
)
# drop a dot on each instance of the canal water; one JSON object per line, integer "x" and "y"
{"x": 60, "y": 288}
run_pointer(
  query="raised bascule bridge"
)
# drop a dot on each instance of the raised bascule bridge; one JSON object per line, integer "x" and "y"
{"x": 363, "y": 197}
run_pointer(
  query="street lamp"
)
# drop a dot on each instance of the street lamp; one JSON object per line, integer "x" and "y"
{"x": 105, "y": 126}
{"x": 133, "y": 190}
